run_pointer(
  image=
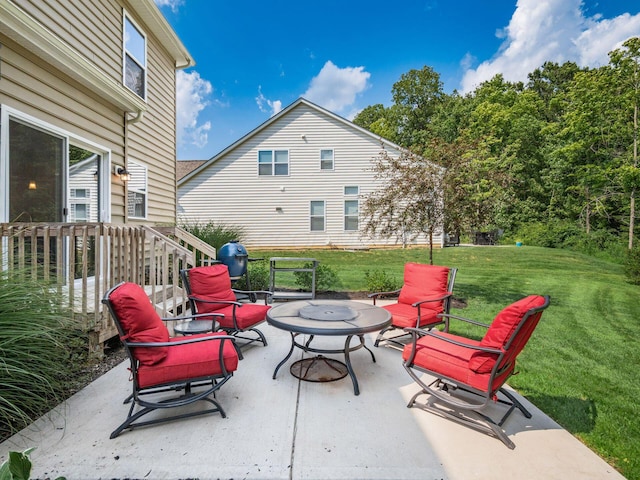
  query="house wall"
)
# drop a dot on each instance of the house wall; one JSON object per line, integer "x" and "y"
{"x": 94, "y": 29}
{"x": 274, "y": 210}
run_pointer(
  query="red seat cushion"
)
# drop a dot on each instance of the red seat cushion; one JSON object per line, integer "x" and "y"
{"x": 502, "y": 329}
{"x": 422, "y": 282}
{"x": 452, "y": 361}
{"x": 189, "y": 361}
{"x": 211, "y": 283}
{"x": 247, "y": 315}
{"x": 139, "y": 321}
{"x": 404, "y": 315}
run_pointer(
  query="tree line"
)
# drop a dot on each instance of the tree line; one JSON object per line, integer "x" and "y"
{"x": 553, "y": 160}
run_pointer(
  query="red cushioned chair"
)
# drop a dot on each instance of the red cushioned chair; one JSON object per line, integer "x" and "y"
{"x": 192, "y": 368}
{"x": 469, "y": 374}
{"x": 425, "y": 294}
{"x": 209, "y": 290}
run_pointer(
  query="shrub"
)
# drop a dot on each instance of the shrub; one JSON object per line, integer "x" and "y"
{"x": 258, "y": 277}
{"x": 600, "y": 243}
{"x": 326, "y": 278}
{"x": 36, "y": 334}
{"x": 380, "y": 281}
{"x": 632, "y": 265}
{"x": 214, "y": 234}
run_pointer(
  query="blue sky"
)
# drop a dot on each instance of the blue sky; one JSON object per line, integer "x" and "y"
{"x": 254, "y": 58}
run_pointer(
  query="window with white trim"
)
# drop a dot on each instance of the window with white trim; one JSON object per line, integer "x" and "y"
{"x": 273, "y": 162}
{"x": 351, "y": 208}
{"x": 79, "y": 212}
{"x": 79, "y": 193}
{"x": 137, "y": 190}
{"x": 134, "y": 63}
{"x": 316, "y": 215}
{"x": 326, "y": 159}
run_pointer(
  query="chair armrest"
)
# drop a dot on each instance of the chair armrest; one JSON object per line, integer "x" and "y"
{"x": 219, "y": 302}
{"x": 182, "y": 341}
{"x": 255, "y": 293}
{"x": 435, "y": 299}
{"x": 419, "y": 332}
{"x": 195, "y": 315}
{"x": 265, "y": 292}
{"x": 448, "y": 316}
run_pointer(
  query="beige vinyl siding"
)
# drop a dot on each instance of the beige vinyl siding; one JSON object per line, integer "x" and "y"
{"x": 32, "y": 89}
{"x": 94, "y": 29}
{"x": 230, "y": 190}
{"x": 152, "y": 140}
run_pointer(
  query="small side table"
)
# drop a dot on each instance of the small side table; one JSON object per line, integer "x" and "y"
{"x": 194, "y": 327}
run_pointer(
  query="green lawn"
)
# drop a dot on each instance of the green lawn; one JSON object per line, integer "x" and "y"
{"x": 581, "y": 364}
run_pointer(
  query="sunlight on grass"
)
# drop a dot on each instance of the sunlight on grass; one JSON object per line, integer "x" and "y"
{"x": 580, "y": 366}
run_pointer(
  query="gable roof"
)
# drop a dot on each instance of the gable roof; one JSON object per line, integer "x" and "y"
{"x": 184, "y": 167}
{"x": 275, "y": 118}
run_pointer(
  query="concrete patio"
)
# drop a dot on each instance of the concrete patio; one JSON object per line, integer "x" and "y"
{"x": 288, "y": 429}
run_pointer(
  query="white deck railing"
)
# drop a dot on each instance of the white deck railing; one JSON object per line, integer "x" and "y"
{"x": 83, "y": 260}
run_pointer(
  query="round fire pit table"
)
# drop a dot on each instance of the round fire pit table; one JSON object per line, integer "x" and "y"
{"x": 326, "y": 318}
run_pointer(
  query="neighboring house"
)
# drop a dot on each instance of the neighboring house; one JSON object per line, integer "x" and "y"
{"x": 88, "y": 148}
{"x": 296, "y": 181}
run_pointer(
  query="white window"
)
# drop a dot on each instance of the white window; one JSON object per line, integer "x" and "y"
{"x": 317, "y": 215}
{"x": 326, "y": 159}
{"x": 135, "y": 58}
{"x": 137, "y": 190}
{"x": 79, "y": 212}
{"x": 273, "y": 162}
{"x": 351, "y": 190}
{"x": 351, "y": 215}
{"x": 79, "y": 193}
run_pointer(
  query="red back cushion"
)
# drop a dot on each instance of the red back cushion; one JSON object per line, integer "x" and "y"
{"x": 211, "y": 283}
{"x": 139, "y": 321}
{"x": 501, "y": 330}
{"x": 422, "y": 282}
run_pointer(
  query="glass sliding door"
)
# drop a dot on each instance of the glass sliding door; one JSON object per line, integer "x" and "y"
{"x": 37, "y": 177}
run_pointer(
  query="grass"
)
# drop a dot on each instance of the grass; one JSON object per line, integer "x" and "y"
{"x": 580, "y": 366}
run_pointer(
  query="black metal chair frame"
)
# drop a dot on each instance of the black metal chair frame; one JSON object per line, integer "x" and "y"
{"x": 212, "y": 382}
{"x": 466, "y": 411}
{"x": 394, "y": 341}
{"x": 236, "y": 331}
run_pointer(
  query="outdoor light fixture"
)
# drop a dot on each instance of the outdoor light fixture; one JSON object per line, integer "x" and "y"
{"x": 32, "y": 185}
{"x": 122, "y": 172}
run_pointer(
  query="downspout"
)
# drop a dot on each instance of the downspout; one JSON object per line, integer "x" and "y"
{"x": 135, "y": 119}
{"x": 125, "y": 153}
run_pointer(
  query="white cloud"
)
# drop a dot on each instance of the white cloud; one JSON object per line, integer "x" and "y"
{"x": 552, "y": 30}
{"x": 336, "y": 88}
{"x": 274, "y": 106}
{"x": 192, "y": 94}
{"x": 172, "y": 4}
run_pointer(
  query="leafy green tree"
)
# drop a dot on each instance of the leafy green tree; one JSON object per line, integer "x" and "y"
{"x": 369, "y": 115}
{"x": 626, "y": 64}
{"x": 409, "y": 202}
{"x": 416, "y": 95}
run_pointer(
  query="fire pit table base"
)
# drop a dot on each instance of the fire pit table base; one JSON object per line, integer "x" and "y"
{"x": 311, "y": 318}
{"x": 319, "y": 369}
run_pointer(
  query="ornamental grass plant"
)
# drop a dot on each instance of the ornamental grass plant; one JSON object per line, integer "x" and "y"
{"x": 36, "y": 338}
